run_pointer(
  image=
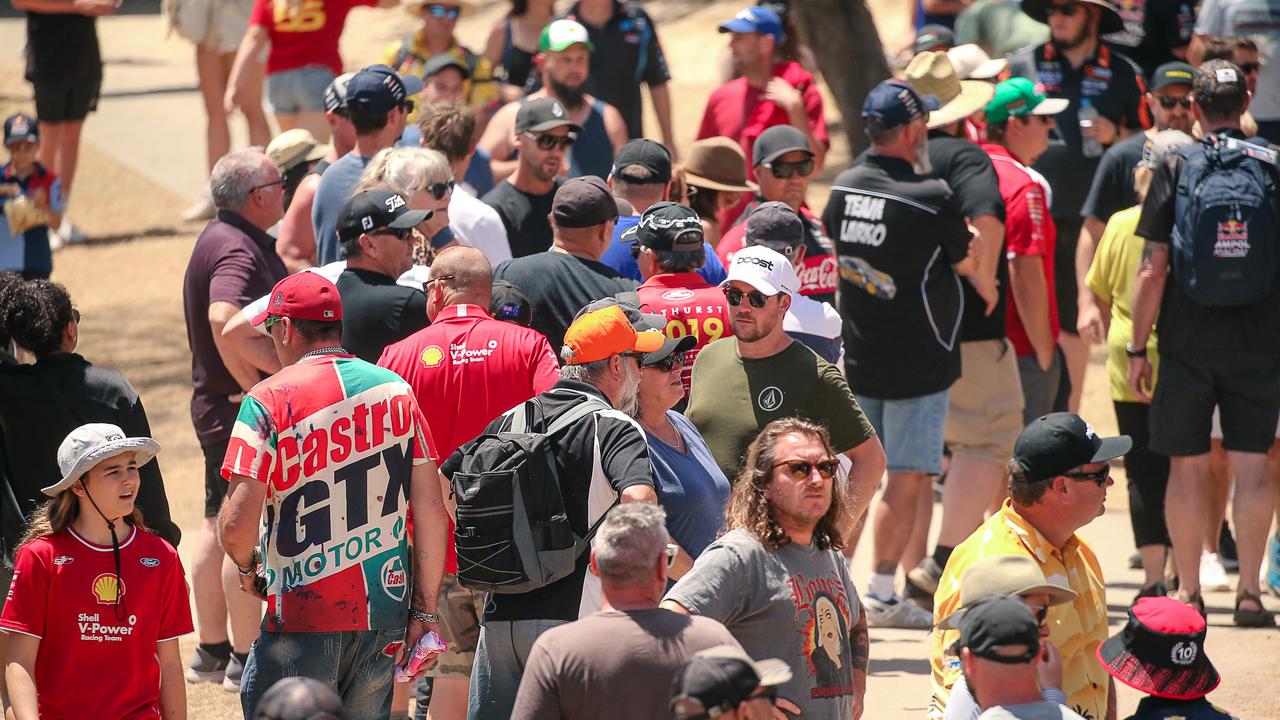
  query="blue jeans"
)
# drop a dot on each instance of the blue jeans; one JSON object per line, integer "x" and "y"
{"x": 351, "y": 663}
{"x": 501, "y": 655}
{"x": 298, "y": 90}
{"x": 911, "y": 430}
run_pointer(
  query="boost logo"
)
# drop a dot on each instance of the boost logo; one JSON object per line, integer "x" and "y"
{"x": 431, "y": 356}
{"x": 108, "y": 588}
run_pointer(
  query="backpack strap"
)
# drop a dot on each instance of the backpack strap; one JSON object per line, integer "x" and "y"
{"x": 576, "y": 413}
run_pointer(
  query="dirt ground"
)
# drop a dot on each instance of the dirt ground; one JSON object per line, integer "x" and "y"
{"x": 141, "y": 164}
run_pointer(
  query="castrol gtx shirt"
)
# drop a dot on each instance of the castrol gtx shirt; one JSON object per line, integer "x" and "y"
{"x": 97, "y": 660}
{"x": 335, "y": 440}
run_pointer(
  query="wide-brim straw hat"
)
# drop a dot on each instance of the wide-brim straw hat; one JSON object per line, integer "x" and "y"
{"x": 89, "y": 445}
{"x": 1110, "y": 22}
{"x": 931, "y": 73}
{"x": 1004, "y": 575}
{"x": 717, "y": 163}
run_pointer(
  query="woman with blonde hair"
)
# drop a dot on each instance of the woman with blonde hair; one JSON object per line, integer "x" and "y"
{"x": 424, "y": 178}
{"x": 97, "y": 602}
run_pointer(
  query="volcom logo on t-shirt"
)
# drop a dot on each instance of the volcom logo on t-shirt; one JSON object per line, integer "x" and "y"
{"x": 770, "y": 398}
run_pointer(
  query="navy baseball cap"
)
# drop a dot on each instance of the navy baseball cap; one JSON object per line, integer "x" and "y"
{"x": 20, "y": 127}
{"x": 895, "y": 103}
{"x": 760, "y": 20}
{"x": 378, "y": 89}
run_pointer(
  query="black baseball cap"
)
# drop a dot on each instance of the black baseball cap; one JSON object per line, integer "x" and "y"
{"x": 666, "y": 226}
{"x": 895, "y": 103}
{"x": 21, "y": 127}
{"x": 776, "y": 226}
{"x": 376, "y": 210}
{"x": 542, "y": 114}
{"x": 378, "y": 89}
{"x": 583, "y": 202}
{"x": 1054, "y": 443}
{"x": 436, "y": 63}
{"x": 299, "y": 698}
{"x": 997, "y": 622}
{"x": 777, "y": 141}
{"x": 719, "y": 679}
{"x": 933, "y": 37}
{"x": 507, "y": 302}
{"x": 650, "y": 155}
{"x": 1172, "y": 73}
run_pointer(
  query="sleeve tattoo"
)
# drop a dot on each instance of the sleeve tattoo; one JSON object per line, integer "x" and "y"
{"x": 860, "y": 643}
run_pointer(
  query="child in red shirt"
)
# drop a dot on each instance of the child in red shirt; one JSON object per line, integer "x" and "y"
{"x": 97, "y": 602}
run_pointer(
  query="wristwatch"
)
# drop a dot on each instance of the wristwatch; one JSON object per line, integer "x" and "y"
{"x": 1132, "y": 351}
{"x": 425, "y": 617}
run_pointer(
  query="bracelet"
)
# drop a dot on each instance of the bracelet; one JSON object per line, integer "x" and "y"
{"x": 426, "y": 617}
{"x": 250, "y": 569}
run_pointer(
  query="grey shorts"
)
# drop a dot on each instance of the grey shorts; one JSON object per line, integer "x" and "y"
{"x": 300, "y": 90}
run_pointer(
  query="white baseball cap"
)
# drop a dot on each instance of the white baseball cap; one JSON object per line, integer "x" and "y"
{"x": 92, "y": 443}
{"x": 768, "y": 271}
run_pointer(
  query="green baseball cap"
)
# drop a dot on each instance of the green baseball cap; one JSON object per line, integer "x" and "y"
{"x": 562, "y": 34}
{"x": 1018, "y": 96}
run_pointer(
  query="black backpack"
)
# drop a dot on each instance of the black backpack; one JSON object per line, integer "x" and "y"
{"x": 1225, "y": 246}
{"x": 512, "y": 531}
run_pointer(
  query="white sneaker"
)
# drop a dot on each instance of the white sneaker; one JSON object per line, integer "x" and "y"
{"x": 202, "y": 209}
{"x": 1213, "y": 577}
{"x": 70, "y": 233}
{"x": 896, "y": 613}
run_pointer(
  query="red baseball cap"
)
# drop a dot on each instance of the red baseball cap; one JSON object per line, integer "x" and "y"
{"x": 303, "y": 296}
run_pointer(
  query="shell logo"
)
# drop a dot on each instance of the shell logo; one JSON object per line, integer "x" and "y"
{"x": 432, "y": 356}
{"x": 108, "y": 589}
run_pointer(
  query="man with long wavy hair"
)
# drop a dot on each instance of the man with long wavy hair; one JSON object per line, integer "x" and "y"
{"x": 776, "y": 576}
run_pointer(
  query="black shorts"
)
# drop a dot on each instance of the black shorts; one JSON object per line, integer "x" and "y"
{"x": 1244, "y": 386}
{"x": 68, "y": 99}
{"x": 215, "y": 488}
{"x": 1064, "y": 272}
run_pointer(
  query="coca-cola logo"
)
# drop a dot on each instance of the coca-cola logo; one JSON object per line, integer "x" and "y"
{"x": 819, "y": 274}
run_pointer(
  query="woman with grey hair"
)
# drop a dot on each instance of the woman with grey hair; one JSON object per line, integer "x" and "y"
{"x": 424, "y": 178}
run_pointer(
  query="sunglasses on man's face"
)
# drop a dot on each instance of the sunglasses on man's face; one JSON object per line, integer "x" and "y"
{"x": 444, "y": 12}
{"x": 803, "y": 469}
{"x": 397, "y": 233}
{"x": 1168, "y": 102}
{"x": 784, "y": 170}
{"x": 668, "y": 363}
{"x": 271, "y": 322}
{"x": 1250, "y": 68}
{"x": 551, "y": 142}
{"x": 755, "y": 297}
{"x": 1041, "y": 614}
{"x": 439, "y": 190}
{"x": 1067, "y": 10}
{"x": 1098, "y": 476}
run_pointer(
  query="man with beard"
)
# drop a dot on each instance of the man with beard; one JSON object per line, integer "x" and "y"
{"x": 601, "y": 459}
{"x": 1077, "y": 65}
{"x": 902, "y": 244}
{"x": 564, "y": 60}
{"x": 742, "y": 383}
{"x": 543, "y": 135}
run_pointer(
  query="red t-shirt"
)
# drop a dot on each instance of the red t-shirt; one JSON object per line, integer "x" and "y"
{"x": 466, "y": 369}
{"x": 819, "y": 275}
{"x": 691, "y": 307}
{"x": 1028, "y": 231}
{"x": 307, "y": 37}
{"x": 92, "y": 664}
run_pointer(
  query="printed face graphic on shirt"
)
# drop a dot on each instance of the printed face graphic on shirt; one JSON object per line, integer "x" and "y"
{"x": 822, "y": 606}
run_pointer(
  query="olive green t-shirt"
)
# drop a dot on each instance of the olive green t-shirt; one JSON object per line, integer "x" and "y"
{"x": 732, "y": 398}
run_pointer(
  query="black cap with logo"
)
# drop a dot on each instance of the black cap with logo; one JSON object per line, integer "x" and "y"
{"x": 667, "y": 226}
{"x": 21, "y": 127}
{"x": 1172, "y": 73}
{"x": 377, "y": 210}
{"x": 378, "y": 89}
{"x": 650, "y": 155}
{"x": 583, "y": 202}
{"x": 542, "y": 114}
{"x": 1055, "y": 443}
{"x": 998, "y": 622}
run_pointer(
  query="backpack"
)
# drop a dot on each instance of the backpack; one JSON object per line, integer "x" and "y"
{"x": 512, "y": 531}
{"x": 1225, "y": 246}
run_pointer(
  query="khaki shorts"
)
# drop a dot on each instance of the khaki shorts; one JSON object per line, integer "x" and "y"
{"x": 985, "y": 416}
{"x": 460, "y": 627}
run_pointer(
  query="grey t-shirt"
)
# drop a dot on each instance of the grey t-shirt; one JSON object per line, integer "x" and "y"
{"x": 796, "y": 604}
{"x": 1042, "y": 710}
{"x": 612, "y": 664}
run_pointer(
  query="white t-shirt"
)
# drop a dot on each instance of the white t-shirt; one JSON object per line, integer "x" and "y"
{"x": 1258, "y": 20}
{"x": 818, "y": 326}
{"x": 475, "y": 224}
{"x": 414, "y": 277}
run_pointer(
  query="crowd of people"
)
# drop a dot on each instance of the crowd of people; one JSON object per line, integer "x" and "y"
{"x": 476, "y": 361}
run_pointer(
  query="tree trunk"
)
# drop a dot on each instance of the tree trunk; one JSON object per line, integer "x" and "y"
{"x": 847, "y": 46}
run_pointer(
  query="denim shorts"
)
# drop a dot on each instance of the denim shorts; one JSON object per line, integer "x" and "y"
{"x": 300, "y": 90}
{"x": 501, "y": 655}
{"x": 910, "y": 429}
{"x": 351, "y": 663}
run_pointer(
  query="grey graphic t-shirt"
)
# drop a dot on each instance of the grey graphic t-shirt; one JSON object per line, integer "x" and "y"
{"x": 796, "y": 604}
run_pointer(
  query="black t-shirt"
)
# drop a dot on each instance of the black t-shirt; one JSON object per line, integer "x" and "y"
{"x": 1153, "y": 29}
{"x": 627, "y": 53}
{"x": 1112, "y": 188}
{"x": 62, "y": 46}
{"x": 590, "y": 483}
{"x": 897, "y": 235}
{"x": 1184, "y": 325}
{"x": 558, "y": 285}
{"x": 377, "y": 312}
{"x": 524, "y": 216}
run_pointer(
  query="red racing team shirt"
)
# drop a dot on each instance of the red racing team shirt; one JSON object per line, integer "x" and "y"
{"x": 306, "y": 37}
{"x": 93, "y": 663}
{"x": 470, "y": 368}
{"x": 691, "y": 307}
{"x": 1028, "y": 231}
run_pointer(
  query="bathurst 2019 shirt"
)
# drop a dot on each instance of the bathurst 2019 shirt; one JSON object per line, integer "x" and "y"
{"x": 335, "y": 440}
{"x": 897, "y": 235}
{"x": 93, "y": 662}
{"x": 691, "y": 307}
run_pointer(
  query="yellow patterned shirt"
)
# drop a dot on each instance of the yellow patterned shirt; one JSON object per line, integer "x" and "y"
{"x": 1076, "y": 628}
{"x": 408, "y": 56}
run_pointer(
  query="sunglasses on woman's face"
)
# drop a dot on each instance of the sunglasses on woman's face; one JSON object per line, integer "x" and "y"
{"x": 439, "y": 190}
{"x": 444, "y": 12}
{"x": 551, "y": 142}
{"x": 784, "y": 170}
{"x": 1168, "y": 103}
{"x": 802, "y": 469}
{"x": 668, "y": 363}
{"x": 755, "y": 297}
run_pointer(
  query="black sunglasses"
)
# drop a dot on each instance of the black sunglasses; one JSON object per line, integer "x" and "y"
{"x": 668, "y": 363}
{"x": 551, "y": 142}
{"x": 784, "y": 170}
{"x": 1099, "y": 476}
{"x": 397, "y": 233}
{"x": 427, "y": 284}
{"x": 802, "y": 469}
{"x": 1249, "y": 68}
{"x": 1067, "y": 10}
{"x": 1168, "y": 102}
{"x": 755, "y": 297}
{"x": 439, "y": 190}
{"x": 1041, "y": 614}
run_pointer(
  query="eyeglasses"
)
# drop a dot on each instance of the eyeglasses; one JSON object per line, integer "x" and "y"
{"x": 397, "y": 233}
{"x": 1067, "y": 10}
{"x": 802, "y": 469}
{"x": 1098, "y": 476}
{"x": 1249, "y": 68}
{"x": 439, "y": 190}
{"x": 668, "y": 363}
{"x": 443, "y": 12}
{"x": 1167, "y": 102}
{"x": 551, "y": 142}
{"x": 784, "y": 170}
{"x": 1041, "y": 614}
{"x": 755, "y": 297}
{"x": 279, "y": 182}
{"x": 271, "y": 321}
{"x": 427, "y": 284}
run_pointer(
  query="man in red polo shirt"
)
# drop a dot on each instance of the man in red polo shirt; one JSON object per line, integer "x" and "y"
{"x": 669, "y": 249}
{"x": 466, "y": 369}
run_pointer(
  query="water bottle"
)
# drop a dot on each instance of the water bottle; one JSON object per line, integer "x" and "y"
{"x": 1089, "y": 147}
